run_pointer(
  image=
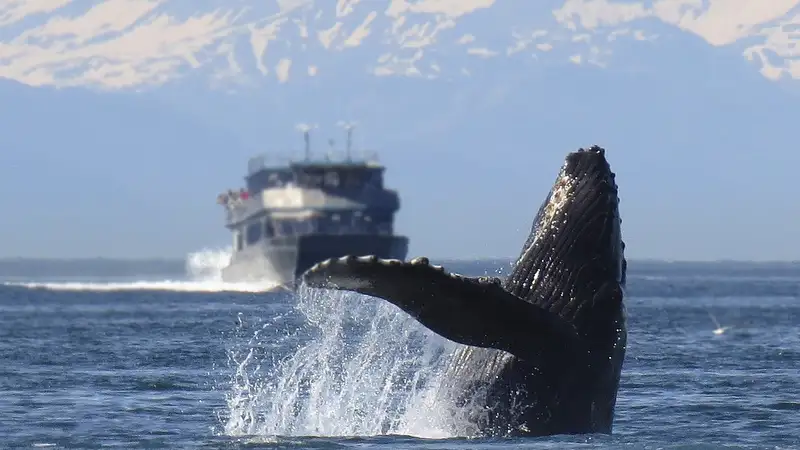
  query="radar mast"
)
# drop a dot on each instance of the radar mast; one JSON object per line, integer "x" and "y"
{"x": 348, "y": 126}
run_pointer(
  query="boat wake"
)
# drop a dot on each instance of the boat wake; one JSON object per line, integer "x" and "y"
{"x": 203, "y": 274}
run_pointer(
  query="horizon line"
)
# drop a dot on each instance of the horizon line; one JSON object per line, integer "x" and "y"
{"x": 12, "y": 259}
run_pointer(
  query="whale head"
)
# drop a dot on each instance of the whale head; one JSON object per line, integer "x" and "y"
{"x": 573, "y": 265}
{"x": 575, "y": 248}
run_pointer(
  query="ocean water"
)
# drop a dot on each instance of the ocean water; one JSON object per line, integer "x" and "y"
{"x": 186, "y": 361}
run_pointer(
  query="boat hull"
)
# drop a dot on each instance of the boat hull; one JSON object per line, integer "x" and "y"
{"x": 282, "y": 260}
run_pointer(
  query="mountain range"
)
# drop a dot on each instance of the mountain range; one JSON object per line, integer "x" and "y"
{"x": 122, "y": 120}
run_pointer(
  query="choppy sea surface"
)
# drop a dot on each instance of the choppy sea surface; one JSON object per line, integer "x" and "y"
{"x": 93, "y": 361}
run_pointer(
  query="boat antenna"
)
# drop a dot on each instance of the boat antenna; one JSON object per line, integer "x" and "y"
{"x": 306, "y": 129}
{"x": 307, "y": 139}
{"x": 349, "y": 128}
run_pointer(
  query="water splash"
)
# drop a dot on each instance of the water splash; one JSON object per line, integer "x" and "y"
{"x": 356, "y": 366}
{"x": 203, "y": 274}
{"x": 207, "y": 264}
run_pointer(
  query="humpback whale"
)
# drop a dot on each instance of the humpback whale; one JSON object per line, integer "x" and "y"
{"x": 543, "y": 349}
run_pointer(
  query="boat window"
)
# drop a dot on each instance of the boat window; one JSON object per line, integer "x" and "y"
{"x": 375, "y": 179}
{"x": 353, "y": 180}
{"x": 253, "y": 233}
{"x": 384, "y": 228}
{"x": 322, "y": 224}
{"x": 269, "y": 230}
{"x": 285, "y": 227}
{"x": 239, "y": 241}
{"x": 313, "y": 180}
{"x": 332, "y": 179}
{"x": 381, "y": 216}
{"x": 303, "y": 227}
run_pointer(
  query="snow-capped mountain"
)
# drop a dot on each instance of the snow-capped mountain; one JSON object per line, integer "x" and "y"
{"x": 125, "y": 118}
{"x": 132, "y": 43}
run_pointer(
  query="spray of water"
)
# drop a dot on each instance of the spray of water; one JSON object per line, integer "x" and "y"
{"x": 207, "y": 264}
{"x": 350, "y": 365}
{"x": 203, "y": 274}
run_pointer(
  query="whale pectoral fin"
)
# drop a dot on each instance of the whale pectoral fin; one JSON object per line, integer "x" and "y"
{"x": 470, "y": 311}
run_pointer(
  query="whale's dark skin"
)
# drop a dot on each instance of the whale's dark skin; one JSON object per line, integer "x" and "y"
{"x": 543, "y": 349}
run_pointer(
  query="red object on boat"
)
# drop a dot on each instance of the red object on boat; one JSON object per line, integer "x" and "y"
{"x": 244, "y": 195}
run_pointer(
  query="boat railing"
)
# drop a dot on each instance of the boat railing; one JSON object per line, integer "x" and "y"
{"x": 275, "y": 160}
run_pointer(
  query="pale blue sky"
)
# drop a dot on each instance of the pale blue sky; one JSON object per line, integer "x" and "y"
{"x": 705, "y": 151}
